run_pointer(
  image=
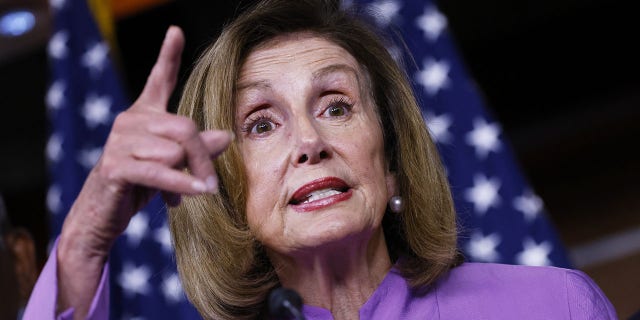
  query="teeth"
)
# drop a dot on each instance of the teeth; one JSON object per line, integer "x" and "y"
{"x": 320, "y": 194}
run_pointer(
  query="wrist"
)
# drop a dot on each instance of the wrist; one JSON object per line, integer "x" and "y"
{"x": 78, "y": 245}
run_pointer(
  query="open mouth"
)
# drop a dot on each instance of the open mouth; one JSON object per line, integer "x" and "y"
{"x": 318, "y": 195}
{"x": 319, "y": 189}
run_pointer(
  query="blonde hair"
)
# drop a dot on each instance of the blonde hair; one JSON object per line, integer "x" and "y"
{"x": 224, "y": 270}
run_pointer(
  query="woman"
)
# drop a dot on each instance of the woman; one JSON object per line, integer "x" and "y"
{"x": 332, "y": 186}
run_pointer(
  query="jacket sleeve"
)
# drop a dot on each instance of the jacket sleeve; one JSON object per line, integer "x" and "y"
{"x": 586, "y": 300}
{"x": 43, "y": 299}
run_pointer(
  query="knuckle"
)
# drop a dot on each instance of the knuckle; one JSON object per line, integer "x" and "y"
{"x": 186, "y": 128}
{"x": 108, "y": 169}
{"x": 120, "y": 121}
{"x": 175, "y": 154}
{"x": 149, "y": 173}
{"x": 125, "y": 121}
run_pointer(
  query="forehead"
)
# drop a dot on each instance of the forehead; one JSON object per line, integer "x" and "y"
{"x": 295, "y": 52}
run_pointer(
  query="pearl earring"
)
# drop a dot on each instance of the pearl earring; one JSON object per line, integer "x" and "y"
{"x": 396, "y": 204}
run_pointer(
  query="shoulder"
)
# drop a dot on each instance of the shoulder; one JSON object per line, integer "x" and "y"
{"x": 497, "y": 290}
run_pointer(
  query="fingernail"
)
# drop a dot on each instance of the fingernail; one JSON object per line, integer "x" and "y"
{"x": 199, "y": 186}
{"x": 212, "y": 184}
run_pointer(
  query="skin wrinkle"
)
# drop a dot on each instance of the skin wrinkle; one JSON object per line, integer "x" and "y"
{"x": 425, "y": 236}
{"x": 338, "y": 250}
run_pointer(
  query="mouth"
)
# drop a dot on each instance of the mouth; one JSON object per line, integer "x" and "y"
{"x": 320, "y": 189}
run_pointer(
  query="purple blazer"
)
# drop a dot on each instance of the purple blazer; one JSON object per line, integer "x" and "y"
{"x": 470, "y": 291}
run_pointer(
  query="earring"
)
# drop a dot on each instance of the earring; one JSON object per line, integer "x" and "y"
{"x": 396, "y": 204}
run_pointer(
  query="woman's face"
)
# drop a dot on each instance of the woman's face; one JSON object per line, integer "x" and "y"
{"x": 312, "y": 145}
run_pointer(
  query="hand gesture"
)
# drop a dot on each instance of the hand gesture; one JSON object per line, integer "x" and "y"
{"x": 146, "y": 152}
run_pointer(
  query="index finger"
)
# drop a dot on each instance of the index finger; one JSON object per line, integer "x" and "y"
{"x": 162, "y": 79}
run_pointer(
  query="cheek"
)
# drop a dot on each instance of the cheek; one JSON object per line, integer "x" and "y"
{"x": 263, "y": 170}
{"x": 365, "y": 156}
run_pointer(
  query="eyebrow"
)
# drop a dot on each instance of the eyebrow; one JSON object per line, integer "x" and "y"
{"x": 335, "y": 68}
{"x": 262, "y": 84}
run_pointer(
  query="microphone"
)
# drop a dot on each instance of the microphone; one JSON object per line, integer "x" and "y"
{"x": 285, "y": 302}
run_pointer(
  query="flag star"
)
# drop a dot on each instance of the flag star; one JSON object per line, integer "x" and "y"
{"x": 57, "y": 47}
{"x": 483, "y": 248}
{"x": 431, "y": 22}
{"x": 434, "y": 76}
{"x": 54, "y": 199}
{"x": 163, "y": 236}
{"x": 96, "y": 57}
{"x": 96, "y": 110}
{"x": 439, "y": 127}
{"x": 137, "y": 228}
{"x": 57, "y": 4}
{"x": 534, "y": 254}
{"x": 55, "y": 95}
{"x": 134, "y": 280}
{"x": 54, "y": 148}
{"x": 484, "y": 193}
{"x": 529, "y": 204}
{"x": 385, "y": 11}
{"x": 89, "y": 157}
{"x": 484, "y": 137}
{"x": 172, "y": 288}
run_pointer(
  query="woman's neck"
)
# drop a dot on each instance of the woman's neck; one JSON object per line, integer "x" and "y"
{"x": 338, "y": 277}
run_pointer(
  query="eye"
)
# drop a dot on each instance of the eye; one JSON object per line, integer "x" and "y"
{"x": 259, "y": 124}
{"x": 338, "y": 108}
{"x": 262, "y": 126}
{"x": 336, "y": 111}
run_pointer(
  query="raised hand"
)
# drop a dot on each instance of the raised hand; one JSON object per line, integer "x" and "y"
{"x": 146, "y": 152}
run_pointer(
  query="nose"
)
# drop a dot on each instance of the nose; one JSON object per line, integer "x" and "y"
{"x": 310, "y": 147}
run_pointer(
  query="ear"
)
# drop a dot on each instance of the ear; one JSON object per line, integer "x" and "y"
{"x": 392, "y": 184}
{"x": 22, "y": 248}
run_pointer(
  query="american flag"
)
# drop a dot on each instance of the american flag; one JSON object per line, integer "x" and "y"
{"x": 83, "y": 98}
{"x": 501, "y": 218}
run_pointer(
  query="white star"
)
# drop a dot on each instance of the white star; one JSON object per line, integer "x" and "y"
{"x": 134, "y": 280}
{"x": 483, "y": 248}
{"x": 55, "y": 95}
{"x": 484, "y": 193}
{"x": 57, "y": 4}
{"x": 163, "y": 236}
{"x": 431, "y": 22}
{"x": 534, "y": 254}
{"x": 434, "y": 76}
{"x": 57, "y": 46}
{"x": 137, "y": 228}
{"x": 439, "y": 127}
{"x": 172, "y": 288}
{"x": 54, "y": 148}
{"x": 96, "y": 110}
{"x": 54, "y": 202}
{"x": 529, "y": 204}
{"x": 89, "y": 157}
{"x": 95, "y": 57}
{"x": 384, "y": 11}
{"x": 484, "y": 137}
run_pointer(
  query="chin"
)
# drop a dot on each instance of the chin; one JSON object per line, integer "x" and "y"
{"x": 332, "y": 234}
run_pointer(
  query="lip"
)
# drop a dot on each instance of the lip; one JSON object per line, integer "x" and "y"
{"x": 319, "y": 184}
